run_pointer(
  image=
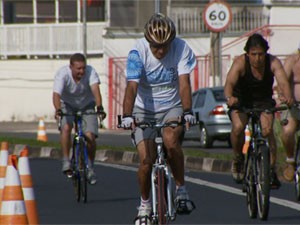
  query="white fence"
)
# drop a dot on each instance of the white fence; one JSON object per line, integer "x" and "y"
{"x": 53, "y": 40}
{"x": 49, "y": 39}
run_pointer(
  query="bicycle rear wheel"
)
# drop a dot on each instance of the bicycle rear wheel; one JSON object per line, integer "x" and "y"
{"x": 297, "y": 173}
{"x": 83, "y": 170}
{"x": 263, "y": 182}
{"x": 161, "y": 197}
{"x": 250, "y": 188}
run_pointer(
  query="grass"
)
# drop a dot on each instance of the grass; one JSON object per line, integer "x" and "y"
{"x": 35, "y": 143}
{"x": 188, "y": 152}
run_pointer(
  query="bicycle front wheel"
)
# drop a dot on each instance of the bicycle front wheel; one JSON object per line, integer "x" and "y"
{"x": 75, "y": 174}
{"x": 83, "y": 170}
{"x": 297, "y": 173}
{"x": 161, "y": 197}
{"x": 250, "y": 188}
{"x": 263, "y": 181}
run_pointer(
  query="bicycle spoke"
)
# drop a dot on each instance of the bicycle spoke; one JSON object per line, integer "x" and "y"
{"x": 297, "y": 172}
{"x": 250, "y": 189}
{"x": 77, "y": 186}
{"x": 263, "y": 182}
{"x": 83, "y": 170}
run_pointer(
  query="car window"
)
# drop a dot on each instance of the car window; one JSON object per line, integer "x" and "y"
{"x": 199, "y": 101}
{"x": 219, "y": 95}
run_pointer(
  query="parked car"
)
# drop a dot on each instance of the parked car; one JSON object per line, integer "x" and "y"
{"x": 210, "y": 110}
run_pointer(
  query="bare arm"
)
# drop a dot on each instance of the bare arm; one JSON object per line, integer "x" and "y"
{"x": 185, "y": 92}
{"x": 236, "y": 70}
{"x": 129, "y": 97}
{"x": 56, "y": 101}
{"x": 288, "y": 67}
{"x": 282, "y": 80}
{"x": 97, "y": 95}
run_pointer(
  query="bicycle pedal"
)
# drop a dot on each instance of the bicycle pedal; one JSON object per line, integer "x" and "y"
{"x": 184, "y": 207}
{"x": 69, "y": 173}
{"x": 143, "y": 220}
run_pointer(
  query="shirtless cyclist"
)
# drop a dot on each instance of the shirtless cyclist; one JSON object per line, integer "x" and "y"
{"x": 292, "y": 69}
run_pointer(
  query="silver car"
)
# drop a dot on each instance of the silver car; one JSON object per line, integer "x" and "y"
{"x": 210, "y": 109}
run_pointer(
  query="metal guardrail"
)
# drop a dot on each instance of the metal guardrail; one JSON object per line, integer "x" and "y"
{"x": 49, "y": 40}
{"x": 190, "y": 20}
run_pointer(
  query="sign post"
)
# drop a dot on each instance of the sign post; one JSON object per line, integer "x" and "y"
{"x": 217, "y": 17}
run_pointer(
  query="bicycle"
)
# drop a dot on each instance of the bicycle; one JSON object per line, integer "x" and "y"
{"x": 257, "y": 181}
{"x": 163, "y": 206}
{"x": 284, "y": 122}
{"x": 79, "y": 156}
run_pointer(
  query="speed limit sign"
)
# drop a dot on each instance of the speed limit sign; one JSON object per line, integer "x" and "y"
{"x": 217, "y": 15}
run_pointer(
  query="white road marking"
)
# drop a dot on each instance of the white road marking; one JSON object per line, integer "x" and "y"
{"x": 221, "y": 187}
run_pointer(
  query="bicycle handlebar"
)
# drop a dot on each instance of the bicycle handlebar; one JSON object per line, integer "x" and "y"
{"x": 77, "y": 114}
{"x": 285, "y": 121}
{"x": 256, "y": 110}
{"x": 153, "y": 124}
{"x": 159, "y": 125}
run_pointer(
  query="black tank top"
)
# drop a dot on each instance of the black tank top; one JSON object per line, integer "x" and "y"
{"x": 253, "y": 92}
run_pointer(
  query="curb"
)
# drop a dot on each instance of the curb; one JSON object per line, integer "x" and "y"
{"x": 129, "y": 158}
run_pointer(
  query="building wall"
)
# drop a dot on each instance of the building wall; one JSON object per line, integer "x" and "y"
{"x": 26, "y": 88}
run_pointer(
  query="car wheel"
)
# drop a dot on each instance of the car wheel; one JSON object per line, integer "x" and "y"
{"x": 205, "y": 140}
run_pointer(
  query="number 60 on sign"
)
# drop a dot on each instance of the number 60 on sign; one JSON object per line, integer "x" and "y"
{"x": 217, "y": 15}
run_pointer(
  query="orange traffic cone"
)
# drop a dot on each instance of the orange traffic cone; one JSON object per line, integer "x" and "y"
{"x": 3, "y": 165}
{"x": 13, "y": 209}
{"x": 247, "y": 140}
{"x": 27, "y": 187}
{"x": 42, "y": 136}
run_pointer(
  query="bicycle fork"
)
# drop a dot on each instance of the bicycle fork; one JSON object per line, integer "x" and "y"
{"x": 84, "y": 160}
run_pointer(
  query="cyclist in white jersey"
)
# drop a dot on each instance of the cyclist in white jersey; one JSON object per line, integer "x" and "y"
{"x": 76, "y": 87}
{"x": 158, "y": 87}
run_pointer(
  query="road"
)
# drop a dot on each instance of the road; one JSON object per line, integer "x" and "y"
{"x": 113, "y": 200}
{"x": 115, "y": 197}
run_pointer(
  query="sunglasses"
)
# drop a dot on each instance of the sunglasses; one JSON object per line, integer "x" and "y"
{"x": 153, "y": 45}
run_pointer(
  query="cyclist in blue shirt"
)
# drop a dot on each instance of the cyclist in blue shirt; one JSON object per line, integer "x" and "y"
{"x": 158, "y": 88}
{"x": 76, "y": 87}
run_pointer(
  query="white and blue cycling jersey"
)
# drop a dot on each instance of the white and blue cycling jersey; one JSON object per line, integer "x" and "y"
{"x": 158, "y": 88}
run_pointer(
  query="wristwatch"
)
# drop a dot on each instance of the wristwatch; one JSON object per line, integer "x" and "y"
{"x": 227, "y": 98}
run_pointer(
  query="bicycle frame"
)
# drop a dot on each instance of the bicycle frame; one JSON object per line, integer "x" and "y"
{"x": 297, "y": 153}
{"x": 256, "y": 137}
{"x": 79, "y": 135}
{"x": 257, "y": 182}
{"x": 160, "y": 164}
{"x": 257, "y": 173}
{"x": 79, "y": 157}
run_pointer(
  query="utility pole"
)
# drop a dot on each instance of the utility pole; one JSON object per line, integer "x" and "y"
{"x": 215, "y": 58}
{"x": 84, "y": 36}
{"x": 217, "y": 17}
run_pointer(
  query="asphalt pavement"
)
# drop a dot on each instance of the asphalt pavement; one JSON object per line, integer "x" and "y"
{"x": 109, "y": 156}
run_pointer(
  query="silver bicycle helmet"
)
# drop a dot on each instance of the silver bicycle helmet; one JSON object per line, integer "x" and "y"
{"x": 159, "y": 30}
